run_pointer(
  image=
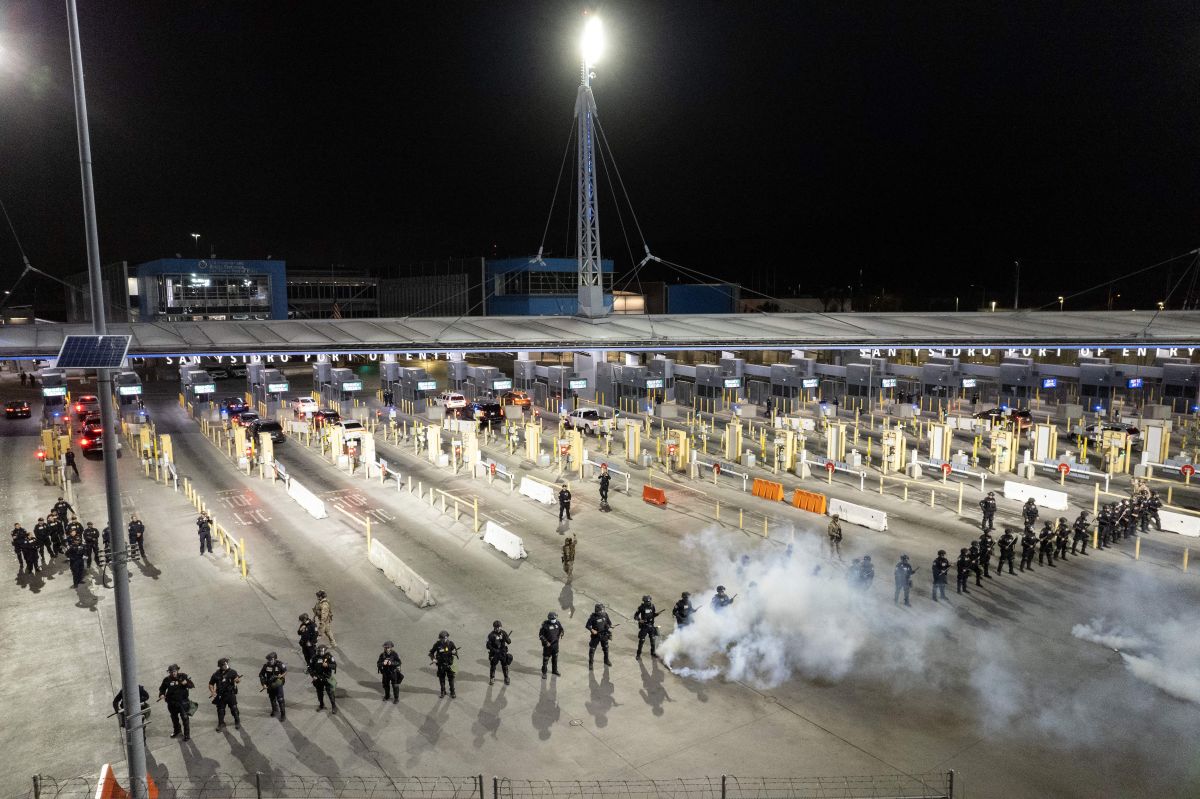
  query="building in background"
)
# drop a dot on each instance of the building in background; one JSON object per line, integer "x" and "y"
{"x": 118, "y": 287}
{"x": 691, "y": 298}
{"x": 546, "y": 287}
{"x": 195, "y": 289}
{"x": 450, "y": 287}
{"x": 340, "y": 294}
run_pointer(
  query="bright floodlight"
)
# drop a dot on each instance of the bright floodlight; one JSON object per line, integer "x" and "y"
{"x": 593, "y": 41}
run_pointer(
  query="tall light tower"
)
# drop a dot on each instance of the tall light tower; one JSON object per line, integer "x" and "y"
{"x": 591, "y": 280}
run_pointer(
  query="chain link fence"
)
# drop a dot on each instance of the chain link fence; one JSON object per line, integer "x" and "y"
{"x": 269, "y": 786}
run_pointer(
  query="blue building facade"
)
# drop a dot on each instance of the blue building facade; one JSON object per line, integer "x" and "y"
{"x": 194, "y": 289}
{"x": 702, "y": 298}
{"x": 523, "y": 287}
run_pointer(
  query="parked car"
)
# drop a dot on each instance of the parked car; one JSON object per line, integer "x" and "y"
{"x": 586, "y": 419}
{"x": 1095, "y": 432}
{"x": 274, "y": 429}
{"x": 326, "y": 416}
{"x": 245, "y": 418}
{"x": 303, "y": 407}
{"x": 1000, "y": 415}
{"x": 16, "y": 409}
{"x": 516, "y": 397}
{"x": 351, "y": 428}
{"x": 451, "y": 399}
{"x": 232, "y": 405}
{"x": 85, "y": 406}
{"x": 485, "y": 413}
{"x": 217, "y": 372}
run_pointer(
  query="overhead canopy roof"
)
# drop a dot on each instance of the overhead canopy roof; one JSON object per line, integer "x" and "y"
{"x": 813, "y": 331}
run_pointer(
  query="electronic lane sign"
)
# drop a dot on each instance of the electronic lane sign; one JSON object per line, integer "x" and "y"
{"x": 577, "y": 383}
{"x": 276, "y": 388}
{"x": 426, "y": 385}
{"x": 968, "y": 382}
{"x": 1134, "y": 382}
{"x": 128, "y": 391}
{"x": 811, "y": 382}
{"x": 888, "y": 382}
{"x": 501, "y": 385}
{"x": 733, "y": 382}
{"x": 654, "y": 382}
{"x": 204, "y": 388}
{"x": 54, "y": 391}
{"x": 1049, "y": 382}
{"x": 352, "y": 385}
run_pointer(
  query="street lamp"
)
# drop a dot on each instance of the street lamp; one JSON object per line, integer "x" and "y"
{"x": 196, "y": 239}
{"x": 1161, "y": 305}
{"x": 592, "y": 44}
{"x": 993, "y": 306}
{"x": 1061, "y": 299}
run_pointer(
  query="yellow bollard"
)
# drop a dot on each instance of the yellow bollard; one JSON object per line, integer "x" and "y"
{"x": 960, "y": 495}
{"x": 1186, "y": 552}
{"x": 1137, "y": 548}
{"x": 367, "y": 523}
{"x": 1096, "y": 499}
{"x": 242, "y": 550}
{"x": 1095, "y": 538}
{"x": 767, "y": 535}
{"x": 718, "y": 510}
{"x": 932, "y": 498}
{"x": 741, "y": 515}
{"x": 906, "y": 492}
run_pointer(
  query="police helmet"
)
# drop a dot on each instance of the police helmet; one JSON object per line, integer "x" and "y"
{"x": 321, "y": 595}
{"x": 303, "y": 617}
{"x": 962, "y": 551}
{"x": 720, "y": 589}
{"x": 904, "y": 557}
{"x": 222, "y": 663}
{"x": 322, "y": 649}
{"x": 496, "y": 625}
{"x": 646, "y": 598}
{"x": 991, "y": 493}
{"x": 272, "y": 656}
{"x": 388, "y": 645}
{"x": 866, "y": 558}
{"x": 599, "y": 608}
{"x": 836, "y": 517}
{"x": 941, "y": 552}
{"x": 551, "y": 616}
{"x": 685, "y": 595}
{"x": 1083, "y": 514}
{"x": 41, "y": 518}
{"x": 174, "y": 667}
{"x": 443, "y": 635}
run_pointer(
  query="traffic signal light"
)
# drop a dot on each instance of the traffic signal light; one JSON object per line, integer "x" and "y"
{"x": 40, "y": 454}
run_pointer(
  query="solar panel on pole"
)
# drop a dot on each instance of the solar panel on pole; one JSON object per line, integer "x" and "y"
{"x": 92, "y": 352}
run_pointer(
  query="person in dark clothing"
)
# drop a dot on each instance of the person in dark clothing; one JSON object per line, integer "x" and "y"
{"x": 271, "y": 677}
{"x": 41, "y": 531}
{"x": 1150, "y": 510}
{"x": 683, "y": 610}
{"x": 564, "y": 503}
{"x": 29, "y": 553}
{"x": 137, "y": 535}
{"x": 1008, "y": 547}
{"x": 308, "y": 637}
{"x": 497, "y": 648}
{"x": 973, "y": 556}
{"x": 600, "y": 626}
{"x": 987, "y": 506}
{"x": 222, "y": 689}
{"x": 388, "y": 666}
{"x": 63, "y": 510}
{"x": 58, "y": 533}
{"x": 903, "y": 575}
{"x": 1062, "y": 538}
{"x": 18, "y": 539}
{"x": 91, "y": 540}
{"x": 1029, "y": 545}
{"x": 964, "y": 570}
{"x": 1046, "y": 545}
{"x": 549, "y": 634}
{"x": 174, "y": 688}
{"x": 76, "y": 556}
{"x": 69, "y": 455}
{"x": 118, "y": 705}
{"x": 1079, "y": 534}
{"x": 987, "y": 545}
{"x": 442, "y": 654}
{"x": 605, "y": 480}
{"x": 941, "y": 574}
{"x": 645, "y": 616}
{"x": 323, "y": 670}
{"x": 204, "y": 530}
{"x": 1029, "y": 512}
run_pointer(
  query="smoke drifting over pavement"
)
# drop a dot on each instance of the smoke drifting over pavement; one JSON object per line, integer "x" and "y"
{"x": 1166, "y": 654}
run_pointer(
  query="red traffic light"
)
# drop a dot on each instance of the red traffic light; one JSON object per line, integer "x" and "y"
{"x": 40, "y": 454}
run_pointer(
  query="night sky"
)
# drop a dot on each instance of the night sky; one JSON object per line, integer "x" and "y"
{"x": 912, "y": 148}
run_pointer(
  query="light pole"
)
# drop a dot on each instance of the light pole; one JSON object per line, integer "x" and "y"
{"x": 1017, "y": 286}
{"x": 587, "y": 226}
{"x": 135, "y": 721}
{"x": 196, "y": 239}
{"x": 1061, "y": 299}
{"x": 993, "y": 306}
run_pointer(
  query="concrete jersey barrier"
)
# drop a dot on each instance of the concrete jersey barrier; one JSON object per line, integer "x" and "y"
{"x": 859, "y": 514}
{"x": 503, "y": 540}
{"x": 306, "y": 499}
{"x": 1044, "y": 497}
{"x": 538, "y": 492}
{"x": 399, "y": 572}
{"x": 1180, "y": 523}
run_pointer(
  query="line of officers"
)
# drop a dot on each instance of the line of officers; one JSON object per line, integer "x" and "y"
{"x": 60, "y": 532}
{"x": 321, "y": 665}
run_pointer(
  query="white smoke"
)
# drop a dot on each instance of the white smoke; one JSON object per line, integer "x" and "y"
{"x": 1166, "y": 655}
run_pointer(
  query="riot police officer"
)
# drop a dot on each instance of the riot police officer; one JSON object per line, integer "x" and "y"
{"x": 564, "y": 503}
{"x": 1008, "y": 546}
{"x": 986, "y": 546}
{"x": 1062, "y": 538}
{"x": 204, "y": 531}
{"x": 1029, "y": 511}
{"x": 549, "y": 634}
{"x": 600, "y": 626}
{"x": 1150, "y": 512}
{"x": 903, "y": 576}
{"x": 91, "y": 540}
{"x": 866, "y": 573}
{"x": 645, "y": 616}
{"x": 323, "y": 670}
{"x": 388, "y": 666}
{"x": 308, "y": 637}
{"x": 1079, "y": 535}
{"x": 41, "y": 531}
{"x": 174, "y": 688}
{"x": 988, "y": 507}
{"x": 1046, "y": 544}
{"x": 1104, "y": 525}
{"x": 721, "y": 600}
{"x": 941, "y": 574}
{"x": 683, "y": 610}
{"x": 1029, "y": 544}
{"x": 272, "y": 676}
{"x": 222, "y": 689}
{"x": 497, "y": 648}
{"x": 964, "y": 569}
{"x": 442, "y": 654}
{"x": 137, "y": 535}
{"x": 76, "y": 556}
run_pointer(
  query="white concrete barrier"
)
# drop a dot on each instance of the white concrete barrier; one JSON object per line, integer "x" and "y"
{"x": 504, "y": 541}
{"x": 1044, "y": 497}
{"x": 538, "y": 492}
{"x": 858, "y": 514}
{"x": 1181, "y": 523}
{"x": 306, "y": 499}
{"x": 399, "y": 572}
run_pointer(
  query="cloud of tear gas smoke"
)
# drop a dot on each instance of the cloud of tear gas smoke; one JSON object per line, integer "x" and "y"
{"x": 791, "y": 616}
{"x": 1166, "y": 655}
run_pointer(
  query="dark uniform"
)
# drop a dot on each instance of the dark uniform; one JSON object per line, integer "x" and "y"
{"x": 973, "y": 557}
{"x": 964, "y": 568}
{"x": 63, "y": 510}
{"x": 41, "y": 531}
{"x": 988, "y": 506}
{"x": 1079, "y": 535}
{"x": 204, "y": 530}
{"x": 69, "y": 456}
{"x": 1104, "y": 521}
{"x": 605, "y": 479}
{"x": 549, "y": 634}
{"x": 388, "y": 666}
{"x": 73, "y": 527}
{"x": 18, "y": 537}
{"x": 987, "y": 545}
{"x": 137, "y": 535}
{"x": 174, "y": 689}
{"x": 903, "y": 577}
{"x": 442, "y": 653}
{"x": 1008, "y": 547}
{"x": 58, "y": 533}
{"x": 683, "y": 610}
{"x": 1062, "y": 538}
{"x": 308, "y": 637}
{"x": 1150, "y": 512}
{"x": 721, "y": 600}
{"x": 644, "y": 616}
{"x": 222, "y": 687}
{"x": 941, "y": 574}
{"x": 866, "y": 573}
{"x": 118, "y": 706}
{"x": 91, "y": 540}
{"x": 1046, "y": 545}
{"x": 272, "y": 676}
{"x": 29, "y": 552}
{"x": 1029, "y": 545}
{"x": 564, "y": 503}
{"x": 600, "y": 626}
{"x": 323, "y": 670}
{"x": 1030, "y": 512}
{"x": 76, "y": 556}
{"x": 497, "y": 649}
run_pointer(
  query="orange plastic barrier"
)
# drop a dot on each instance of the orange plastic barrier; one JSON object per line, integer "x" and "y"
{"x": 655, "y": 496}
{"x": 767, "y": 490}
{"x": 108, "y": 788}
{"x": 810, "y": 501}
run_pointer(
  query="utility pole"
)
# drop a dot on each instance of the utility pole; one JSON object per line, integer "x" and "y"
{"x": 591, "y": 279}
{"x": 1017, "y": 288}
{"x": 135, "y": 746}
